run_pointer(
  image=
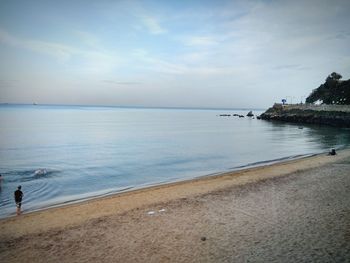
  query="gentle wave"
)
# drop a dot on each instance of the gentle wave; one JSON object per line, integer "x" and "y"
{"x": 73, "y": 199}
{"x": 85, "y": 197}
{"x": 273, "y": 161}
{"x": 30, "y": 174}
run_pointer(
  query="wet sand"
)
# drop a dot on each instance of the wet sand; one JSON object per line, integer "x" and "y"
{"x": 298, "y": 211}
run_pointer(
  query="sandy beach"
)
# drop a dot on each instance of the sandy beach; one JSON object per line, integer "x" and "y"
{"x": 296, "y": 211}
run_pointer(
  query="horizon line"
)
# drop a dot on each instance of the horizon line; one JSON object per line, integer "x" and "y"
{"x": 132, "y": 106}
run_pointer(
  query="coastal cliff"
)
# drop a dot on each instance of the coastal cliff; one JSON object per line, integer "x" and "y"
{"x": 333, "y": 115}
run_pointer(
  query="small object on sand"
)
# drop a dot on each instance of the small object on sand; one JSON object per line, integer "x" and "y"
{"x": 203, "y": 238}
{"x": 332, "y": 152}
{"x": 151, "y": 213}
{"x": 161, "y": 210}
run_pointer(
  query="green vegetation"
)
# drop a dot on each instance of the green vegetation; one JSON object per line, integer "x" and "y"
{"x": 333, "y": 91}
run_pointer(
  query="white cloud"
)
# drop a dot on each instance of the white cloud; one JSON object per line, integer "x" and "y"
{"x": 194, "y": 57}
{"x": 200, "y": 41}
{"x": 122, "y": 83}
{"x": 93, "y": 60}
{"x": 59, "y": 51}
{"x": 140, "y": 53}
{"x": 187, "y": 65}
{"x": 152, "y": 25}
{"x": 87, "y": 38}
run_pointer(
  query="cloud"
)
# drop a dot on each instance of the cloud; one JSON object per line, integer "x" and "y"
{"x": 139, "y": 53}
{"x": 194, "y": 57}
{"x": 152, "y": 25}
{"x": 87, "y": 38}
{"x": 151, "y": 62}
{"x": 282, "y": 35}
{"x": 200, "y": 41}
{"x": 93, "y": 60}
{"x": 59, "y": 51}
{"x": 290, "y": 67}
{"x": 7, "y": 83}
{"x": 126, "y": 83}
{"x": 183, "y": 66}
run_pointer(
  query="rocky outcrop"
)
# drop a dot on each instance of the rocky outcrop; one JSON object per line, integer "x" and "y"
{"x": 330, "y": 115}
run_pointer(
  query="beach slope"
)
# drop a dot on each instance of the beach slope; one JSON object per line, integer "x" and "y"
{"x": 297, "y": 211}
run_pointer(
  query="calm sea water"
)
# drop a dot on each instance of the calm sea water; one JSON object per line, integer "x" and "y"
{"x": 63, "y": 154}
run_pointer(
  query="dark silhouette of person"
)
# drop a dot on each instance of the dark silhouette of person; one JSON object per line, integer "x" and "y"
{"x": 332, "y": 152}
{"x": 18, "y": 199}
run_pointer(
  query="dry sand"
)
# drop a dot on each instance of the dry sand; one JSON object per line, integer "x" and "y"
{"x": 298, "y": 211}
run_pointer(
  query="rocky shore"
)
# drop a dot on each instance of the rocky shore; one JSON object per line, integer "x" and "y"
{"x": 333, "y": 115}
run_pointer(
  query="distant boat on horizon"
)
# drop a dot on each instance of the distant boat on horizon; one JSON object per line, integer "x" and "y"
{"x": 34, "y": 103}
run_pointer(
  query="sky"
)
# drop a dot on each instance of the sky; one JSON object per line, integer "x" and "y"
{"x": 216, "y": 54}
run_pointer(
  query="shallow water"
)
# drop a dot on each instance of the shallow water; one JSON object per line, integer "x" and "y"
{"x": 67, "y": 153}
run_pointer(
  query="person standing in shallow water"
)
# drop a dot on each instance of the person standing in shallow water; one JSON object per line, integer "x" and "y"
{"x": 18, "y": 199}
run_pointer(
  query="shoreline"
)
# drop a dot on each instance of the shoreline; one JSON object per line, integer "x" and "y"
{"x": 127, "y": 189}
{"x": 120, "y": 203}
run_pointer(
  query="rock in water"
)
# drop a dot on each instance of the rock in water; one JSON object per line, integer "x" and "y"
{"x": 250, "y": 114}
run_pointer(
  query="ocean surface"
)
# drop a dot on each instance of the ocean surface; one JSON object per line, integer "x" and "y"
{"x": 64, "y": 154}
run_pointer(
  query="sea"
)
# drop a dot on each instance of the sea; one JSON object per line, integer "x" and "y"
{"x": 67, "y": 154}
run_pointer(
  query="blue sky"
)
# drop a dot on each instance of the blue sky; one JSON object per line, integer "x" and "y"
{"x": 170, "y": 53}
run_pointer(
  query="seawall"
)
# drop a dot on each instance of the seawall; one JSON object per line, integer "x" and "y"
{"x": 333, "y": 115}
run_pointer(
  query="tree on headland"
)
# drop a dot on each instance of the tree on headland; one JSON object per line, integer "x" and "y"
{"x": 333, "y": 91}
{"x": 334, "y": 76}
